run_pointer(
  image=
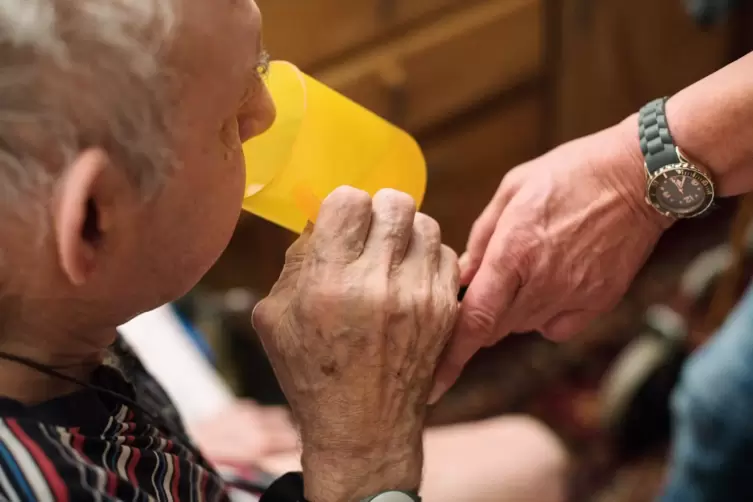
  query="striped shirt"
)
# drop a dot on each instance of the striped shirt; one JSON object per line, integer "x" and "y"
{"x": 90, "y": 446}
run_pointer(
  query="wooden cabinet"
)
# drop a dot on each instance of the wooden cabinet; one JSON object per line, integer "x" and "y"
{"x": 438, "y": 71}
{"x": 483, "y": 84}
{"x": 310, "y": 32}
{"x": 464, "y": 172}
{"x": 613, "y": 56}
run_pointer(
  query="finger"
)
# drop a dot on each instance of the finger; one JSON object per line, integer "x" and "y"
{"x": 485, "y": 306}
{"x": 391, "y": 227}
{"x": 481, "y": 233}
{"x": 467, "y": 268}
{"x": 457, "y": 353}
{"x": 342, "y": 226}
{"x": 567, "y": 324}
{"x": 483, "y": 315}
{"x": 425, "y": 244}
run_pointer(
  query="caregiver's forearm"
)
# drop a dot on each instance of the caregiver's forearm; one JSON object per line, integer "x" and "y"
{"x": 712, "y": 122}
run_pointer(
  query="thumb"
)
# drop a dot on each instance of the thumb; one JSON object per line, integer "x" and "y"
{"x": 481, "y": 323}
{"x": 567, "y": 324}
{"x": 458, "y": 353}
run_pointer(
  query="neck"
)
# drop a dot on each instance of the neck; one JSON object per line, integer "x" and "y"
{"x": 75, "y": 357}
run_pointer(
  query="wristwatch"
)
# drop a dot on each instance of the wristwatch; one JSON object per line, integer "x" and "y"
{"x": 289, "y": 488}
{"x": 675, "y": 186}
{"x": 394, "y": 496}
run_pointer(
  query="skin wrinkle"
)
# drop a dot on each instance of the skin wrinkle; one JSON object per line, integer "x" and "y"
{"x": 360, "y": 314}
{"x": 107, "y": 93}
{"x": 335, "y": 301}
{"x": 575, "y": 274}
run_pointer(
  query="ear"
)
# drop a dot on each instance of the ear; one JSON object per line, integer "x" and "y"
{"x": 85, "y": 204}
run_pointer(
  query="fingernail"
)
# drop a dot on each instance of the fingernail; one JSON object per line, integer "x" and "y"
{"x": 437, "y": 392}
{"x": 464, "y": 261}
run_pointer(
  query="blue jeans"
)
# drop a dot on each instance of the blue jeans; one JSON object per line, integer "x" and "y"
{"x": 712, "y": 407}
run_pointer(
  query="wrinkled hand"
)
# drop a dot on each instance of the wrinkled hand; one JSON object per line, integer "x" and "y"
{"x": 354, "y": 329}
{"x": 245, "y": 434}
{"x": 559, "y": 243}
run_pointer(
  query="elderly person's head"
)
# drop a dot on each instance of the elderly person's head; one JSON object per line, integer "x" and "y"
{"x": 121, "y": 180}
{"x": 121, "y": 168}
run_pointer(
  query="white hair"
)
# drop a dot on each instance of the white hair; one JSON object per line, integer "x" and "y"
{"x": 82, "y": 73}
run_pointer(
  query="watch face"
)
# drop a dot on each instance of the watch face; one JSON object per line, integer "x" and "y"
{"x": 681, "y": 191}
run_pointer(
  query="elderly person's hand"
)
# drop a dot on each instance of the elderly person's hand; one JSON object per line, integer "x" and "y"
{"x": 354, "y": 329}
{"x": 558, "y": 244}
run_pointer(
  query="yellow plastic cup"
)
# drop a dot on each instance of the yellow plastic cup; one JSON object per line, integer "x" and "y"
{"x": 319, "y": 141}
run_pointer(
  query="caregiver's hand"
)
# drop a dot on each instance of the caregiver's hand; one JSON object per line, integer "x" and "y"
{"x": 354, "y": 328}
{"x": 558, "y": 244}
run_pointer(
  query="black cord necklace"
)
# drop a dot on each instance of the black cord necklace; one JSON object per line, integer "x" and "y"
{"x": 43, "y": 368}
{"x": 230, "y": 479}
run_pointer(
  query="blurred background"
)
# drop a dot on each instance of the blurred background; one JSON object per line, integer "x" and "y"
{"x": 485, "y": 85}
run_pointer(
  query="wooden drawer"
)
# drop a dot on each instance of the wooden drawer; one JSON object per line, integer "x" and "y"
{"x": 426, "y": 76}
{"x": 609, "y": 68}
{"x": 467, "y": 164}
{"x": 307, "y": 32}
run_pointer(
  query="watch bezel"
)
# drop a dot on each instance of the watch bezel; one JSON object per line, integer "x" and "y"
{"x": 684, "y": 169}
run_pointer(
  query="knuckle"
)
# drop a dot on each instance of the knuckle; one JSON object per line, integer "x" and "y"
{"x": 396, "y": 200}
{"x": 262, "y": 316}
{"x": 427, "y": 227}
{"x": 512, "y": 179}
{"x": 449, "y": 254}
{"x": 520, "y": 251}
{"x": 395, "y": 212}
{"x": 296, "y": 250}
{"x": 348, "y": 197}
{"x": 480, "y": 321}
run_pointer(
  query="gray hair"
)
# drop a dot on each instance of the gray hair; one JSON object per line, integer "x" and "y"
{"x": 82, "y": 73}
